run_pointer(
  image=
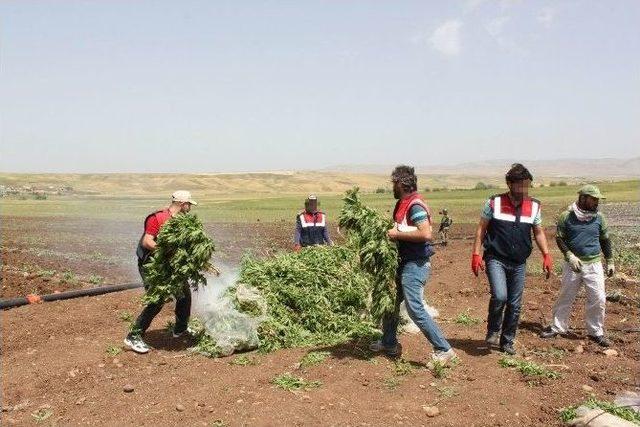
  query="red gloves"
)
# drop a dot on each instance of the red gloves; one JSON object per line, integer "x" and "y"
{"x": 547, "y": 264}
{"x": 476, "y": 264}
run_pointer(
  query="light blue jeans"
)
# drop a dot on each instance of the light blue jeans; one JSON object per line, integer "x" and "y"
{"x": 411, "y": 278}
{"x": 507, "y": 284}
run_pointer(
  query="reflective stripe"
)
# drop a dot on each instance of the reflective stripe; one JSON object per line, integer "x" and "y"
{"x": 404, "y": 226}
{"x": 498, "y": 214}
{"x": 497, "y": 211}
{"x": 535, "y": 208}
{"x": 306, "y": 224}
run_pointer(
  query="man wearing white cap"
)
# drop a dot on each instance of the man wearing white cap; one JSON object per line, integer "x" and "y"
{"x": 311, "y": 225}
{"x": 181, "y": 202}
{"x": 582, "y": 234}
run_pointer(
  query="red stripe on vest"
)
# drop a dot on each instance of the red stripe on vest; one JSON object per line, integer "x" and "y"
{"x": 403, "y": 206}
{"x": 309, "y": 217}
{"x": 507, "y": 207}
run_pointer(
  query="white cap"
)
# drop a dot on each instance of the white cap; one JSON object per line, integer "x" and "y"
{"x": 182, "y": 196}
{"x": 312, "y": 197}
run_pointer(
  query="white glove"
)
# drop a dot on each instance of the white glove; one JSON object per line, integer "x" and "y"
{"x": 611, "y": 269}
{"x": 574, "y": 262}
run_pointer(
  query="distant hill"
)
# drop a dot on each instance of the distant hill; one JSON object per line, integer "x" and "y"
{"x": 581, "y": 169}
{"x": 336, "y": 180}
{"x": 226, "y": 184}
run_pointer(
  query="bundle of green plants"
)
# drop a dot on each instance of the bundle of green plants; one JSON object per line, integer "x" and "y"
{"x": 317, "y": 296}
{"x": 182, "y": 256}
{"x": 377, "y": 255}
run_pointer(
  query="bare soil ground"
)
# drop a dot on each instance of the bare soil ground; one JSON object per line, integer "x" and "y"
{"x": 59, "y": 361}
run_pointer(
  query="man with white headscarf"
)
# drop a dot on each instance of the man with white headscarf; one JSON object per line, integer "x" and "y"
{"x": 582, "y": 234}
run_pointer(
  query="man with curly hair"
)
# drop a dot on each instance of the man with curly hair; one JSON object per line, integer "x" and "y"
{"x": 413, "y": 233}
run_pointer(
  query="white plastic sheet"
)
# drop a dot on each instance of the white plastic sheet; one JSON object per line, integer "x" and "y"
{"x": 231, "y": 330}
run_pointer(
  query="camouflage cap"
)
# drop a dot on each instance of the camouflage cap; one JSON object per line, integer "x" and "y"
{"x": 591, "y": 190}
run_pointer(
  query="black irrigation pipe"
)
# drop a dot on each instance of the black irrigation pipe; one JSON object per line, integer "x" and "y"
{"x": 100, "y": 290}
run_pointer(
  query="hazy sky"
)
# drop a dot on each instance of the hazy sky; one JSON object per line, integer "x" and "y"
{"x": 207, "y": 86}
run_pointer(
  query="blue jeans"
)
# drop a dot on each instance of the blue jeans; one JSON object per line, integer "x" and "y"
{"x": 507, "y": 285}
{"x": 410, "y": 281}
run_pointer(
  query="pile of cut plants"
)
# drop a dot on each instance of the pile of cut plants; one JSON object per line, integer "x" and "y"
{"x": 318, "y": 296}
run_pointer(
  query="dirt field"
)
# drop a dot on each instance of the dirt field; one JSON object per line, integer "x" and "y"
{"x": 56, "y": 361}
{"x": 73, "y": 250}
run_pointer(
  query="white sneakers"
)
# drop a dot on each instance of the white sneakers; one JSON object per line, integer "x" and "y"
{"x": 442, "y": 357}
{"x": 135, "y": 343}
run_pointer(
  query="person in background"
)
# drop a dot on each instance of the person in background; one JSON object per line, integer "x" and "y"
{"x": 181, "y": 202}
{"x": 311, "y": 226}
{"x": 504, "y": 231}
{"x": 445, "y": 224}
{"x": 581, "y": 235}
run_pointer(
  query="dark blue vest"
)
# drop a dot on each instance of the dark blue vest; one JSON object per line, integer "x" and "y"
{"x": 508, "y": 236}
{"x": 411, "y": 251}
{"x": 312, "y": 231}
